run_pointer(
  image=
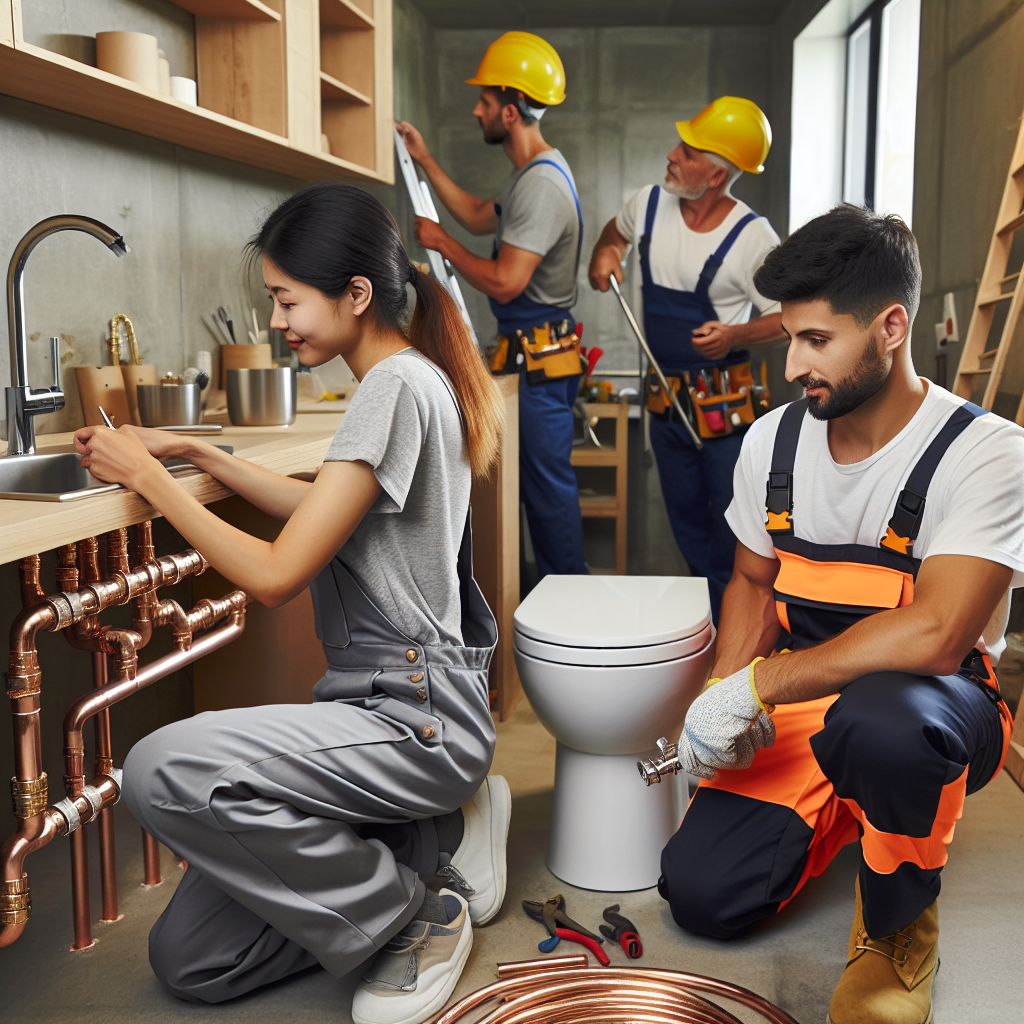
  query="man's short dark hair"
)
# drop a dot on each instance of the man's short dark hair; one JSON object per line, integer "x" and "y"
{"x": 519, "y": 100}
{"x": 855, "y": 259}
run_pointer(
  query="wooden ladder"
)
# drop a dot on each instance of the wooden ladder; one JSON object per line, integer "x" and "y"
{"x": 996, "y": 286}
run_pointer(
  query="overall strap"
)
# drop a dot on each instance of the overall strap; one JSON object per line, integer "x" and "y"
{"x": 909, "y": 512}
{"x": 779, "y": 496}
{"x": 644, "y": 245}
{"x": 717, "y": 258}
{"x": 576, "y": 199}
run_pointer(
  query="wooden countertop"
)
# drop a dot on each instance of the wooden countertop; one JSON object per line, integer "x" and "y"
{"x": 32, "y": 527}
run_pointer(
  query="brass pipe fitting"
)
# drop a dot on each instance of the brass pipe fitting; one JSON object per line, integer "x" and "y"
{"x": 115, "y": 340}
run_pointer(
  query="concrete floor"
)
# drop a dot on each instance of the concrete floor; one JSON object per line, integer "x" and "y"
{"x": 794, "y": 959}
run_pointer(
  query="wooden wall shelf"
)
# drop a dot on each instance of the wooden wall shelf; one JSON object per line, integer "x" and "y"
{"x": 332, "y": 89}
{"x": 344, "y": 14}
{"x": 250, "y": 9}
{"x": 264, "y": 100}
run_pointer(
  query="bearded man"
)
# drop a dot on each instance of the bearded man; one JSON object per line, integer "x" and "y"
{"x": 530, "y": 279}
{"x": 880, "y": 527}
{"x": 699, "y": 247}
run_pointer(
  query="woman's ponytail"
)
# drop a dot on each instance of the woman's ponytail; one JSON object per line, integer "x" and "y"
{"x": 439, "y": 332}
{"x": 329, "y": 232}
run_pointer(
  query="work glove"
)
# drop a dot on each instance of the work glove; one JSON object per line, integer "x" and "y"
{"x": 726, "y": 725}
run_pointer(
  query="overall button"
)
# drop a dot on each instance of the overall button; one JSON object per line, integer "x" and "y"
{"x": 421, "y": 695}
{"x": 416, "y": 677}
{"x": 410, "y": 655}
{"x": 428, "y": 732}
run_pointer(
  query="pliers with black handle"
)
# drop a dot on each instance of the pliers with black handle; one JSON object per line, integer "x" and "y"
{"x": 622, "y": 931}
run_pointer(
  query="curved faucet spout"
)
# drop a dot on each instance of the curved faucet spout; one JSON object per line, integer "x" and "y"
{"x": 23, "y": 401}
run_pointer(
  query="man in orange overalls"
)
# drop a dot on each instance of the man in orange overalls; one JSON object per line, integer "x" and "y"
{"x": 880, "y": 527}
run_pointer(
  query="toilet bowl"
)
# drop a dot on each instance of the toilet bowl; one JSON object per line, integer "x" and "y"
{"x": 609, "y": 664}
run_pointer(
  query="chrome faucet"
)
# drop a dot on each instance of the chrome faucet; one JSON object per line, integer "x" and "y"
{"x": 25, "y": 402}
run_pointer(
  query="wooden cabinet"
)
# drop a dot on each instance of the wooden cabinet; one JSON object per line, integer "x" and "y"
{"x": 276, "y": 78}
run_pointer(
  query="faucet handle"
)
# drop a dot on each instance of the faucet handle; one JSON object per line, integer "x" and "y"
{"x": 55, "y": 356}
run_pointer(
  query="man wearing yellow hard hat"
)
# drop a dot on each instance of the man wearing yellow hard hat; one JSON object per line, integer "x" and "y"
{"x": 530, "y": 280}
{"x": 699, "y": 247}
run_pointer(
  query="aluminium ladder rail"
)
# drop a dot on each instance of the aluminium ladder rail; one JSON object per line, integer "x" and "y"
{"x": 423, "y": 206}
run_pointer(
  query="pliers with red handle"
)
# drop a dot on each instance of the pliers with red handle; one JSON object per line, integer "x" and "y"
{"x": 551, "y": 913}
{"x": 622, "y": 931}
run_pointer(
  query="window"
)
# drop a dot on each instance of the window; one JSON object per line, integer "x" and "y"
{"x": 854, "y": 108}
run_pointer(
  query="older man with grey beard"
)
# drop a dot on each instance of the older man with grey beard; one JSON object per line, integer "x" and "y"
{"x": 699, "y": 248}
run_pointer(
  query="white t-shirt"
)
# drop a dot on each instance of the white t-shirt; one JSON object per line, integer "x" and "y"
{"x": 678, "y": 254}
{"x": 975, "y": 502}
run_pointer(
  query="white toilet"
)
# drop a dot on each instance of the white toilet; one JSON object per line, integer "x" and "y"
{"x": 611, "y": 663}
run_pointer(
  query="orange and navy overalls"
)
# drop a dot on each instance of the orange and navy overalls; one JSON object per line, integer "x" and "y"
{"x": 889, "y": 760}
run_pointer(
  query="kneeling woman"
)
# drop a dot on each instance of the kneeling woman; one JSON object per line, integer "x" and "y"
{"x": 309, "y": 830}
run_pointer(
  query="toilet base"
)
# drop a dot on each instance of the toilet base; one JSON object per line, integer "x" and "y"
{"x": 607, "y": 828}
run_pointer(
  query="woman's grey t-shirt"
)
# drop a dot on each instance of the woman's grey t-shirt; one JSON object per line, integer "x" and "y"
{"x": 404, "y": 423}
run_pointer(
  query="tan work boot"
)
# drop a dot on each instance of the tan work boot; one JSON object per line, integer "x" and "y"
{"x": 888, "y": 981}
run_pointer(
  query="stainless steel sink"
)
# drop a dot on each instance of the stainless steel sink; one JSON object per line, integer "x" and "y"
{"x": 59, "y": 477}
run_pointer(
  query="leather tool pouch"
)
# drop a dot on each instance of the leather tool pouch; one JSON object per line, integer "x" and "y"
{"x": 552, "y": 353}
{"x": 717, "y": 415}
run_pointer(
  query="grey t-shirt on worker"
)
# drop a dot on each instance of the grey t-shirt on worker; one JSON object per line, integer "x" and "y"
{"x": 538, "y": 214}
{"x": 403, "y": 422}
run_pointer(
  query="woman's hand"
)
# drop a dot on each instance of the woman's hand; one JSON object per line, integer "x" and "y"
{"x": 120, "y": 456}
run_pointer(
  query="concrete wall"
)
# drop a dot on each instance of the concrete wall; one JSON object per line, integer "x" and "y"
{"x": 626, "y": 88}
{"x": 970, "y": 97}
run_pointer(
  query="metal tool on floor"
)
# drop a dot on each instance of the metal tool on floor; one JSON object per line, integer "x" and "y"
{"x": 673, "y": 396}
{"x": 423, "y": 206}
{"x": 551, "y": 913}
{"x": 622, "y": 931}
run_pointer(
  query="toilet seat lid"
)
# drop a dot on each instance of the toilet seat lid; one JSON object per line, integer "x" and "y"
{"x": 614, "y": 611}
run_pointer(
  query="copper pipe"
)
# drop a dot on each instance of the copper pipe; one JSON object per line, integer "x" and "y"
{"x": 117, "y": 551}
{"x": 36, "y": 823}
{"x": 66, "y": 572}
{"x": 31, "y": 588}
{"x": 151, "y": 860}
{"x": 81, "y": 911}
{"x": 183, "y": 624}
{"x": 103, "y": 765}
{"x": 96, "y": 700}
{"x": 566, "y": 990}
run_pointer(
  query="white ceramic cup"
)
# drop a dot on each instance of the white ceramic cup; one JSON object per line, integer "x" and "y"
{"x": 184, "y": 89}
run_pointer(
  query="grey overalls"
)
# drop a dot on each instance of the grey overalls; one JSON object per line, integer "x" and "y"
{"x": 307, "y": 828}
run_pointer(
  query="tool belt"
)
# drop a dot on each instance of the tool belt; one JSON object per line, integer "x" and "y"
{"x": 551, "y": 351}
{"x": 718, "y": 415}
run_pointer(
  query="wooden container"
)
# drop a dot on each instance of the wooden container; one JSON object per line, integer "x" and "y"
{"x": 243, "y": 357}
{"x": 103, "y": 385}
{"x": 131, "y": 55}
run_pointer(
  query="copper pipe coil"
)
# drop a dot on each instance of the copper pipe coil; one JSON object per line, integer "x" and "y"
{"x": 562, "y": 990}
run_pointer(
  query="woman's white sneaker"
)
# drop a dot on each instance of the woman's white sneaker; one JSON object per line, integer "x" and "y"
{"x": 416, "y": 972}
{"x": 478, "y": 867}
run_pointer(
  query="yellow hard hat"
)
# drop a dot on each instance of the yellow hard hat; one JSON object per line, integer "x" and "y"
{"x": 731, "y": 127}
{"x": 523, "y": 61}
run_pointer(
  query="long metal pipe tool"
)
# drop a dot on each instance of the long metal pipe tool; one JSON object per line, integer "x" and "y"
{"x": 423, "y": 206}
{"x": 673, "y": 396}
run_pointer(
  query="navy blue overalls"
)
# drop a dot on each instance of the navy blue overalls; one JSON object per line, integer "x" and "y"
{"x": 547, "y": 481}
{"x": 696, "y": 485}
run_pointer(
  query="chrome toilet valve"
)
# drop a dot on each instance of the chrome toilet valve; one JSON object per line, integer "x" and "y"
{"x": 651, "y": 771}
